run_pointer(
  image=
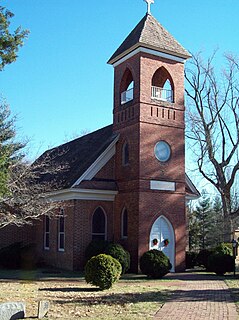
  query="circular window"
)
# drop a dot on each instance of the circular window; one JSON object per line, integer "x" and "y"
{"x": 162, "y": 151}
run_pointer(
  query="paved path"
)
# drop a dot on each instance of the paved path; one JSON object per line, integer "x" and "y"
{"x": 200, "y": 297}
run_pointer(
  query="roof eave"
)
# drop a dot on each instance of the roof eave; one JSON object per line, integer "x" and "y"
{"x": 113, "y": 60}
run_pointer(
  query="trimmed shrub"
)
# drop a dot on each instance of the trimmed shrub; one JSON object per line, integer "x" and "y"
{"x": 191, "y": 259}
{"x": 96, "y": 247}
{"x": 119, "y": 253}
{"x": 102, "y": 271}
{"x": 155, "y": 264}
{"x": 221, "y": 263}
{"x": 224, "y": 248}
{"x": 202, "y": 258}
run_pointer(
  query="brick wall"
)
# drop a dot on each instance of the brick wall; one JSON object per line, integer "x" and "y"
{"x": 12, "y": 234}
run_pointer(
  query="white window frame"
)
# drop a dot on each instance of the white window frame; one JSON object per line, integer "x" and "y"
{"x": 46, "y": 232}
{"x": 105, "y": 231}
{"x": 61, "y": 233}
{"x": 122, "y": 224}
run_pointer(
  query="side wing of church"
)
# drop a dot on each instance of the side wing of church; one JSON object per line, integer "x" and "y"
{"x": 126, "y": 182}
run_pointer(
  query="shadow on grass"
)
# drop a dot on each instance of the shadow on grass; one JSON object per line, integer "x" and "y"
{"x": 118, "y": 298}
{"x": 70, "y": 289}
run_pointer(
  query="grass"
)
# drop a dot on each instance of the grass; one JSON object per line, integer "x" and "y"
{"x": 133, "y": 297}
{"x": 233, "y": 284}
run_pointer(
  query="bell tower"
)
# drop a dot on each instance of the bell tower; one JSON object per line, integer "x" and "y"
{"x": 149, "y": 116}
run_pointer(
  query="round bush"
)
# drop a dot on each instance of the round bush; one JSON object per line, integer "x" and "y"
{"x": 119, "y": 253}
{"x": 155, "y": 264}
{"x": 96, "y": 247}
{"x": 221, "y": 263}
{"x": 102, "y": 271}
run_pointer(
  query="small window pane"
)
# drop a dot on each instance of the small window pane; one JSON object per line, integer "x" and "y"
{"x": 47, "y": 242}
{"x": 61, "y": 241}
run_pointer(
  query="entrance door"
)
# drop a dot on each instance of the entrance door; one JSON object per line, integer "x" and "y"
{"x": 162, "y": 230}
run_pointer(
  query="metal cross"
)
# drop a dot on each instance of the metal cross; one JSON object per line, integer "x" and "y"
{"x": 149, "y": 2}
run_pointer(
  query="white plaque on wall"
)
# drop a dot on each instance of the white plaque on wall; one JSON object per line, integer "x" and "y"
{"x": 162, "y": 185}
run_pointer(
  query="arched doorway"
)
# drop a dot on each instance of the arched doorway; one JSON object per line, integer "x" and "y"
{"x": 162, "y": 230}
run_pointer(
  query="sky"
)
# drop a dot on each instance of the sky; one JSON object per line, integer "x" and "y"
{"x": 61, "y": 85}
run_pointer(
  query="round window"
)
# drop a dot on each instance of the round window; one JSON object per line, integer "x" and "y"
{"x": 162, "y": 151}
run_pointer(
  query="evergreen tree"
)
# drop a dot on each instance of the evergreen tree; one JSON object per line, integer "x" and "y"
{"x": 9, "y": 42}
{"x": 10, "y": 151}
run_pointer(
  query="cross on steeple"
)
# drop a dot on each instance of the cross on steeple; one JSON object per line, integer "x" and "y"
{"x": 149, "y": 2}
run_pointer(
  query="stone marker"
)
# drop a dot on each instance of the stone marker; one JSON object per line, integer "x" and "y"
{"x": 12, "y": 310}
{"x": 43, "y": 308}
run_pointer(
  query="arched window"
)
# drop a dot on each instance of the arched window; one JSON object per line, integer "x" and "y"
{"x": 127, "y": 87}
{"x": 99, "y": 225}
{"x": 124, "y": 223}
{"x": 162, "y": 86}
{"x": 125, "y": 154}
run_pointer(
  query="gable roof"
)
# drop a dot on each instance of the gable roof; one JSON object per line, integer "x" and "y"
{"x": 149, "y": 33}
{"x": 76, "y": 156}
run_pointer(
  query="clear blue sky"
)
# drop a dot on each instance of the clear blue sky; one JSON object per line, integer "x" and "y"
{"x": 61, "y": 84}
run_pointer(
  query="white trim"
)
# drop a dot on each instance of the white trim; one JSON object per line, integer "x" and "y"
{"x": 162, "y": 185}
{"x": 82, "y": 194}
{"x": 122, "y": 223}
{"x": 98, "y": 164}
{"x": 60, "y": 233}
{"x": 150, "y": 51}
{"x": 195, "y": 193}
{"x": 46, "y": 233}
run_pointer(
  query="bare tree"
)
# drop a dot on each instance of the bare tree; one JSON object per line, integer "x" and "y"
{"x": 212, "y": 127}
{"x": 24, "y": 186}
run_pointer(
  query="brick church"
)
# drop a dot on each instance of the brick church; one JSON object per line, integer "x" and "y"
{"x": 126, "y": 182}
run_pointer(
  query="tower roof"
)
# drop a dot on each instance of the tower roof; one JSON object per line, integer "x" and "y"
{"x": 149, "y": 33}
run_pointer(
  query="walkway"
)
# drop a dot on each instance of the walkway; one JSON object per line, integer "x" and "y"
{"x": 199, "y": 297}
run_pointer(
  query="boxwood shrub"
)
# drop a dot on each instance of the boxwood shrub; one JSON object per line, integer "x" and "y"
{"x": 102, "y": 271}
{"x": 119, "y": 253}
{"x": 113, "y": 249}
{"x": 155, "y": 264}
{"x": 95, "y": 247}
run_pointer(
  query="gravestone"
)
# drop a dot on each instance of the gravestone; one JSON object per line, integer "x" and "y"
{"x": 43, "y": 308}
{"x": 12, "y": 310}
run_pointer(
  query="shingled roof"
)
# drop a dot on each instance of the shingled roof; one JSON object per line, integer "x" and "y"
{"x": 76, "y": 156}
{"x": 149, "y": 33}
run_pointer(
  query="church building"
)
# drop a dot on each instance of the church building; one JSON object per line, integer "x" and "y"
{"x": 126, "y": 182}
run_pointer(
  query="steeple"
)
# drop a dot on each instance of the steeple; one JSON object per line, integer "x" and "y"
{"x": 150, "y": 34}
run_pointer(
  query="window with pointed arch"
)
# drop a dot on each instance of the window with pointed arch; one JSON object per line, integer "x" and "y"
{"x": 124, "y": 224}
{"x": 125, "y": 154}
{"x": 127, "y": 87}
{"x": 162, "y": 86}
{"x": 61, "y": 230}
{"x": 99, "y": 224}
